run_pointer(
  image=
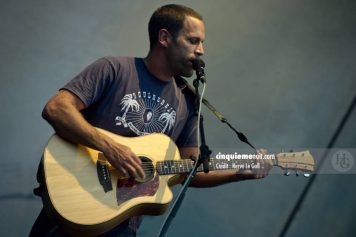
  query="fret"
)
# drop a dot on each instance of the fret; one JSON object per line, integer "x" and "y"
{"x": 180, "y": 167}
{"x": 165, "y": 167}
{"x": 168, "y": 166}
{"x": 159, "y": 167}
{"x": 175, "y": 167}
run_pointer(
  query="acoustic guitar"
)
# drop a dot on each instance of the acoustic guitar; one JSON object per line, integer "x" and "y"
{"x": 89, "y": 197}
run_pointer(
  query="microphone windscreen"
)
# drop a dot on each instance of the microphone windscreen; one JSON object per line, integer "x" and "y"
{"x": 197, "y": 63}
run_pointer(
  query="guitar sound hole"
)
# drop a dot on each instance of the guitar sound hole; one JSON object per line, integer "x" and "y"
{"x": 148, "y": 168}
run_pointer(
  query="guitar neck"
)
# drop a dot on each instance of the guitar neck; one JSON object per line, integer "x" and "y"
{"x": 185, "y": 165}
{"x": 295, "y": 161}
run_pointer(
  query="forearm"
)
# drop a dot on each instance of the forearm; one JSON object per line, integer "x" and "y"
{"x": 69, "y": 123}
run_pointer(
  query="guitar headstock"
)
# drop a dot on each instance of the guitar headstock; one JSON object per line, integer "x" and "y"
{"x": 302, "y": 160}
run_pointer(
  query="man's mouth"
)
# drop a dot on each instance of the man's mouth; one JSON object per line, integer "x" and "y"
{"x": 191, "y": 62}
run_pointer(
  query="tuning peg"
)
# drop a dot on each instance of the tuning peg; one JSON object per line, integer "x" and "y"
{"x": 287, "y": 173}
{"x": 306, "y": 175}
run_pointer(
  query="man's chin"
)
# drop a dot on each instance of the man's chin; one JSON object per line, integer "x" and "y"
{"x": 187, "y": 74}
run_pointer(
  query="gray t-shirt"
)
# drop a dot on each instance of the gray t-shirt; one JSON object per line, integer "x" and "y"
{"x": 123, "y": 97}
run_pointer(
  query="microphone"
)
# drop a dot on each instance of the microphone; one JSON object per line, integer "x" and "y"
{"x": 199, "y": 66}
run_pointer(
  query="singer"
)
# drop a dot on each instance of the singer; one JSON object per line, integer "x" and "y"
{"x": 133, "y": 96}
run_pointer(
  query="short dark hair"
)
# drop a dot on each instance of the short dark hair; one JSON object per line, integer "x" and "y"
{"x": 170, "y": 17}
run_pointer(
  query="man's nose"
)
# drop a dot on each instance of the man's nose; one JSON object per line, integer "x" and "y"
{"x": 199, "y": 50}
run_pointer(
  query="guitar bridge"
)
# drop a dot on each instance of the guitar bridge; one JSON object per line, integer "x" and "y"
{"x": 103, "y": 173}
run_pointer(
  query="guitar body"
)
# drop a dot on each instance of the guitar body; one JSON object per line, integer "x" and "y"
{"x": 77, "y": 199}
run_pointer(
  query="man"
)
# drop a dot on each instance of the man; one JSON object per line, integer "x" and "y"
{"x": 133, "y": 97}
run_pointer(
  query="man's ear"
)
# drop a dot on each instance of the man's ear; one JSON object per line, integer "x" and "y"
{"x": 164, "y": 38}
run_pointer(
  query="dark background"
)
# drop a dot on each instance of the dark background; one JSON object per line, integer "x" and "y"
{"x": 283, "y": 72}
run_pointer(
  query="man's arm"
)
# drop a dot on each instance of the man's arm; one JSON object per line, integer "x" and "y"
{"x": 215, "y": 178}
{"x": 63, "y": 112}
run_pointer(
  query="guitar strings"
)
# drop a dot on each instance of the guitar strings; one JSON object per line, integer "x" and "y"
{"x": 147, "y": 166}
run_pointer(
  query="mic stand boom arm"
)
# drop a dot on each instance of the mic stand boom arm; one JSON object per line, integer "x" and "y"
{"x": 240, "y": 135}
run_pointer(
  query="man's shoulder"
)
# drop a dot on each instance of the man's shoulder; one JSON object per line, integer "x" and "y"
{"x": 119, "y": 60}
{"x": 187, "y": 91}
{"x": 119, "y": 65}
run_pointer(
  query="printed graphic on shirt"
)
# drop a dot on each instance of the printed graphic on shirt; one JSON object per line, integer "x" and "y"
{"x": 144, "y": 113}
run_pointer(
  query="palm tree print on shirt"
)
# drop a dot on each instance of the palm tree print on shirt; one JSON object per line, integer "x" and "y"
{"x": 127, "y": 102}
{"x": 169, "y": 119}
{"x": 145, "y": 113}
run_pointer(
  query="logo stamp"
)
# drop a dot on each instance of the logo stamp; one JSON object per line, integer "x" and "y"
{"x": 342, "y": 160}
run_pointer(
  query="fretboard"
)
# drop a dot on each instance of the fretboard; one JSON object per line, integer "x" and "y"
{"x": 185, "y": 165}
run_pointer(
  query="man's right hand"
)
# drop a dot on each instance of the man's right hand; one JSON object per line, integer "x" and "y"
{"x": 124, "y": 160}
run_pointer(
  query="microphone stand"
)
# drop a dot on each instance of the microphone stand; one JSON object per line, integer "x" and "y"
{"x": 204, "y": 149}
{"x": 203, "y": 158}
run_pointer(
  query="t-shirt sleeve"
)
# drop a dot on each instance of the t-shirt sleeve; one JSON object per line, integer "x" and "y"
{"x": 90, "y": 84}
{"x": 188, "y": 136}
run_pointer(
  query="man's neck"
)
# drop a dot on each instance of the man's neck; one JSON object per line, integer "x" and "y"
{"x": 157, "y": 65}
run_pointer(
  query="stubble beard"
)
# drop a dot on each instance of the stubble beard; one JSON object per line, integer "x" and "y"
{"x": 184, "y": 68}
{"x": 181, "y": 66}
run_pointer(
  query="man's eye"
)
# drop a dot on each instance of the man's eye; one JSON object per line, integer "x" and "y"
{"x": 194, "y": 41}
